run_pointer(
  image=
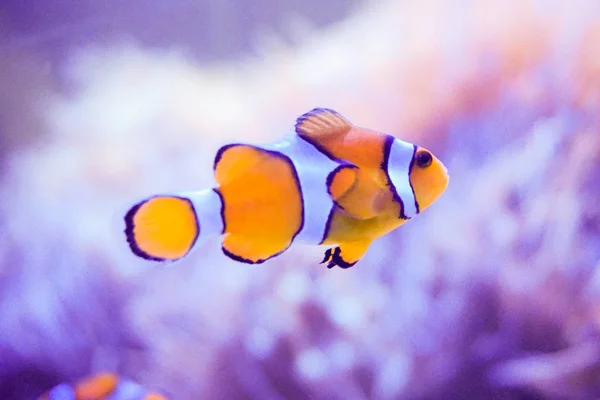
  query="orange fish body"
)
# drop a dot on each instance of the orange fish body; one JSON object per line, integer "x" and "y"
{"x": 101, "y": 386}
{"x": 330, "y": 183}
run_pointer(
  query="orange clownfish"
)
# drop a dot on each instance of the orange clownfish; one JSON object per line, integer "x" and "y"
{"x": 101, "y": 386}
{"x": 328, "y": 183}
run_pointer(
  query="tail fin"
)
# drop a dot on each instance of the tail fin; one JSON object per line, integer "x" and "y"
{"x": 166, "y": 227}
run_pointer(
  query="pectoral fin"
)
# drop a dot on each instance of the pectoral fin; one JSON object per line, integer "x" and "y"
{"x": 341, "y": 180}
{"x": 356, "y": 192}
{"x": 346, "y": 255}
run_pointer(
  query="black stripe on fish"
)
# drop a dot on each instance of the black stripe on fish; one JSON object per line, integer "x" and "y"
{"x": 410, "y": 167}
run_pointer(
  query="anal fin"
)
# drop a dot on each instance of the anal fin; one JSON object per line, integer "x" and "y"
{"x": 253, "y": 249}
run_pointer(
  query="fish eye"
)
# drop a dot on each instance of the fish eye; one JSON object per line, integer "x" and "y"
{"x": 424, "y": 159}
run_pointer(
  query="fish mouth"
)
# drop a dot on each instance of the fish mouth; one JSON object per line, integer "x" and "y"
{"x": 446, "y": 172}
{"x": 447, "y": 178}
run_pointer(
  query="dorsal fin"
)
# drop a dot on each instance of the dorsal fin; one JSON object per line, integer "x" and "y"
{"x": 231, "y": 162}
{"x": 321, "y": 122}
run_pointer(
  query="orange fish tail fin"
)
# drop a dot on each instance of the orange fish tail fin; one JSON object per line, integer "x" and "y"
{"x": 167, "y": 227}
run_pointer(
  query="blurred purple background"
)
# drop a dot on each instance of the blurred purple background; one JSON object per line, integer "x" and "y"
{"x": 491, "y": 293}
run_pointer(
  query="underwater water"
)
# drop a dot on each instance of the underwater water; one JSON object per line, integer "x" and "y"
{"x": 491, "y": 293}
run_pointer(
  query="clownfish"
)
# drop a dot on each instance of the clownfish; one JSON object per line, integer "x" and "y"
{"x": 329, "y": 183}
{"x": 101, "y": 386}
